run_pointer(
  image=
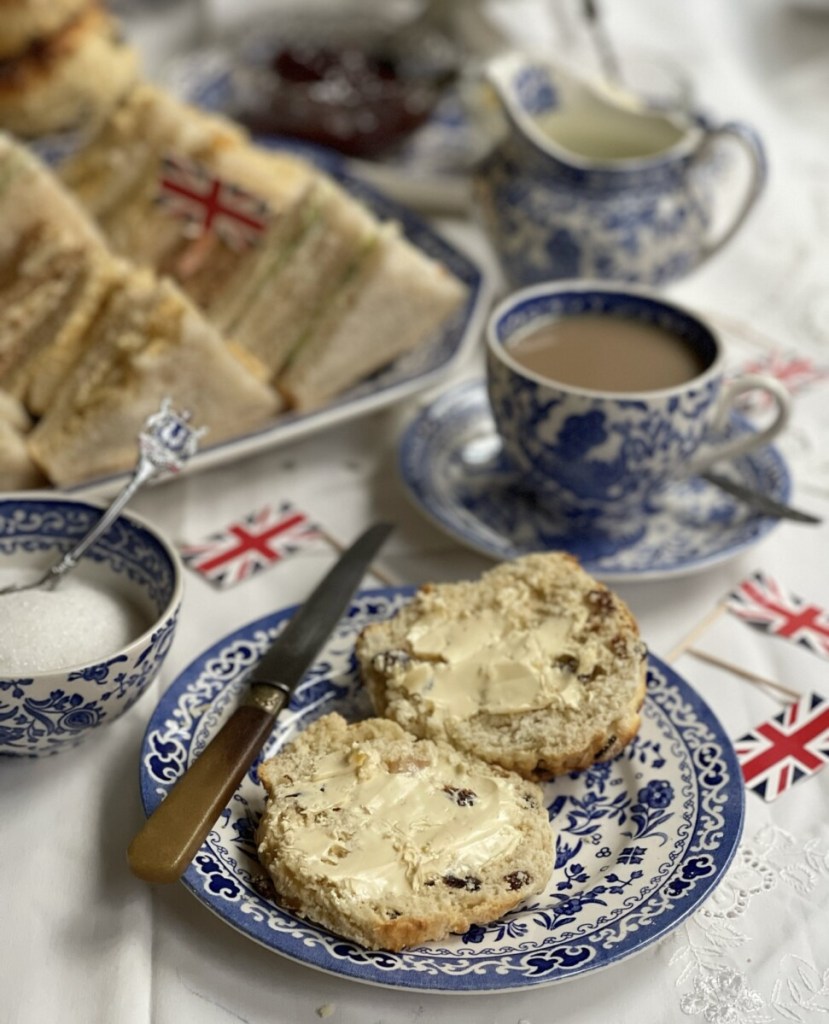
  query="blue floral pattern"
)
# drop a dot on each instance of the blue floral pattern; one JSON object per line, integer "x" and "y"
{"x": 451, "y": 464}
{"x": 644, "y": 221}
{"x": 538, "y": 224}
{"x": 51, "y": 713}
{"x": 593, "y": 456}
{"x": 536, "y": 89}
{"x": 640, "y": 841}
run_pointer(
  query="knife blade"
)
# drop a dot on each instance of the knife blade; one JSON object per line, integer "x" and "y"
{"x": 757, "y": 500}
{"x": 167, "y": 842}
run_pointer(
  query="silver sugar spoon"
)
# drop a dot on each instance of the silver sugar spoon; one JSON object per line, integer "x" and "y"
{"x": 165, "y": 442}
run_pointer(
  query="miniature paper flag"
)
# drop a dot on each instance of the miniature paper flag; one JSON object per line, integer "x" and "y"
{"x": 789, "y": 747}
{"x": 763, "y": 603}
{"x": 795, "y": 372}
{"x": 255, "y": 542}
{"x": 208, "y": 204}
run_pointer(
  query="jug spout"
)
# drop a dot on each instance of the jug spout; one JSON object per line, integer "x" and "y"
{"x": 580, "y": 123}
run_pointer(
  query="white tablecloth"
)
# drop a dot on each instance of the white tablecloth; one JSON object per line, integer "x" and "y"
{"x": 83, "y": 941}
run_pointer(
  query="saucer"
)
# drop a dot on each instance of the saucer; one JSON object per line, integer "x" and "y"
{"x": 451, "y": 464}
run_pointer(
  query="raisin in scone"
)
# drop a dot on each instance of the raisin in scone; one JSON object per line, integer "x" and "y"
{"x": 393, "y": 841}
{"x": 536, "y": 666}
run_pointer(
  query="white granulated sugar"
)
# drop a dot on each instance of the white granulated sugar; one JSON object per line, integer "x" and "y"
{"x": 76, "y": 623}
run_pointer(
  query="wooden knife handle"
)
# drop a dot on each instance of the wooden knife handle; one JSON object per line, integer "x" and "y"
{"x": 170, "y": 837}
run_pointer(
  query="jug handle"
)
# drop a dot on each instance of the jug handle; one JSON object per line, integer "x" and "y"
{"x": 749, "y": 141}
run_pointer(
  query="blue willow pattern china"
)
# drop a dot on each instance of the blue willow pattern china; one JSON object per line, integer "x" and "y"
{"x": 450, "y": 462}
{"x": 596, "y": 456}
{"x": 600, "y": 459}
{"x": 640, "y": 841}
{"x": 55, "y": 711}
{"x": 552, "y": 214}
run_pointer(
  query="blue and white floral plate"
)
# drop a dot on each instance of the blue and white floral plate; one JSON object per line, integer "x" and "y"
{"x": 640, "y": 841}
{"x": 450, "y": 462}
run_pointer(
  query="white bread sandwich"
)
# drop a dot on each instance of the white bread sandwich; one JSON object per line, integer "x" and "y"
{"x": 18, "y": 470}
{"x": 31, "y": 196}
{"x": 394, "y": 300}
{"x": 318, "y": 239}
{"x": 536, "y": 666}
{"x": 115, "y": 175}
{"x": 46, "y": 310}
{"x": 325, "y": 296}
{"x": 55, "y": 271}
{"x": 147, "y": 343}
{"x": 393, "y": 841}
{"x": 91, "y": 344}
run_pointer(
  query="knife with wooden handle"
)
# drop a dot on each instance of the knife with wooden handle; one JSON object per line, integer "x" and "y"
{"x": 170, "y": 837}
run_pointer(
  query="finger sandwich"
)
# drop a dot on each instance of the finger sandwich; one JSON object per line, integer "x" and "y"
{"x": 327, "y": 295}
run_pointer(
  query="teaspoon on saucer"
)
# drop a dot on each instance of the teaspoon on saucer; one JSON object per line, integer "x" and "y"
{"x": 757, "y": 500}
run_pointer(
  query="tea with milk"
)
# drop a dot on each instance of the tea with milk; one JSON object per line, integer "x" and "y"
{"x": 607, "y": 353}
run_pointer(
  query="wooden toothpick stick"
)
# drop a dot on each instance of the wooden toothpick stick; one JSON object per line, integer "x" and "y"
{"x": 696, "y": 632}
{"x": 338, "y": 546}
{"x": 743, "y": 673}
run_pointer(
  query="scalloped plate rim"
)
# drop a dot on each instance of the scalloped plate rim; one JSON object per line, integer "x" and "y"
{"x": 414, "y": 981}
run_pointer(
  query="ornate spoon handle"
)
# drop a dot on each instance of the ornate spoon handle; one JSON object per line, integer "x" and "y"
{"x": 166, "y": 442}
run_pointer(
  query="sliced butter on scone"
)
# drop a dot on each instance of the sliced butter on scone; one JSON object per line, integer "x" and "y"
{"x": 536, "y": 666}
{"x": 147, "y": 343}
{"x": 392, "y": 841}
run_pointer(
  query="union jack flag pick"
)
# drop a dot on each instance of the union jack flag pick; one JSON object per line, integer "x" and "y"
{"x": 794, "y": 371}
{"x": 208, "y": 204}
{"x": 256, "y": 542}
{"x": 789, "y": 747}
{"x": 763, "y": 603}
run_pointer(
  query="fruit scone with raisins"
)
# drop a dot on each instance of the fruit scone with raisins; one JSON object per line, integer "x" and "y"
{"x": 393, "y": 841}
{"x": 536, "y": 666}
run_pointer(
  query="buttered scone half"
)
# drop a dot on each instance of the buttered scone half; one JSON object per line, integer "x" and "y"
{"x": 536, "y": 666}
{"x": 393, "y": 841}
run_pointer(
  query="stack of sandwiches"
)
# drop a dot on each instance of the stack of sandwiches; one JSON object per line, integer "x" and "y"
{"x": 113, "y": 291}
{"x": 90, "y": 344}
{"x": 324, "y": 297}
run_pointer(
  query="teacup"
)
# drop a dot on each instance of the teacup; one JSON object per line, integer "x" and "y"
{"x": 604, "y": 394}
